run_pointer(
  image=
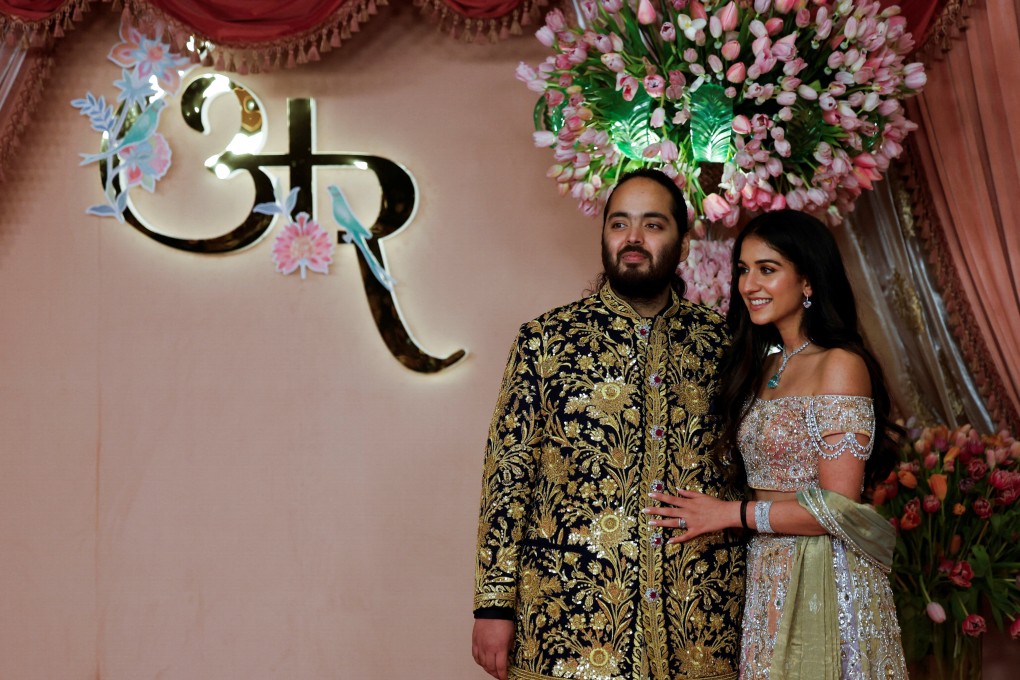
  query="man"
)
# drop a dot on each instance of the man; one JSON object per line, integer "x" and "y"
{"x": 603, "y": 402}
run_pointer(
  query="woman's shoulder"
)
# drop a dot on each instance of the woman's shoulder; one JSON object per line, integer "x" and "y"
{"x": 842, "y": 372}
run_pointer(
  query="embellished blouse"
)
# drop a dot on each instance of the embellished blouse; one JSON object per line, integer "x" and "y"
{"x": 781, "y": 439}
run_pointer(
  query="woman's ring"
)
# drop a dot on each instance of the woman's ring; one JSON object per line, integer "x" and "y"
{"x": 682, "y": 523}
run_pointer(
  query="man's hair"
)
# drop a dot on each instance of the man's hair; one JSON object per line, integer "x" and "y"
{"x": 679, "y": 209}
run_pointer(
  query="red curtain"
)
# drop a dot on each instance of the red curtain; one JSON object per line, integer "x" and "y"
{"x": 967, "y": 149}
{"x": 253, "y": 25}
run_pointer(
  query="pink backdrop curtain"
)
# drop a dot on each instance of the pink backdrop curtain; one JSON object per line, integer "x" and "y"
{"x": 968, "y": 150}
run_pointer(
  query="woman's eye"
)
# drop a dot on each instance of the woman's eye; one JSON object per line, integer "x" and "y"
{"x": 767, "y": 270}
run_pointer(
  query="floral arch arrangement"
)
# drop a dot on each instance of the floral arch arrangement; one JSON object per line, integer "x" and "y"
{"x": 750, "y": 105}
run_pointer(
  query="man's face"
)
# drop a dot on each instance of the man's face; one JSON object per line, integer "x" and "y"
{"x": 641, "y": 245}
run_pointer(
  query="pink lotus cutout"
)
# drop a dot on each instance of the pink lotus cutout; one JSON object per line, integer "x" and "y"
{"x": 303, "y": 244}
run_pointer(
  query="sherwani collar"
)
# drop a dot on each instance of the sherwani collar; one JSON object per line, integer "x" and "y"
{"x": 619, "y": 306}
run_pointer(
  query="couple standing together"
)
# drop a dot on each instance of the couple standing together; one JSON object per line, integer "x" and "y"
{"x": 639, "y": 439}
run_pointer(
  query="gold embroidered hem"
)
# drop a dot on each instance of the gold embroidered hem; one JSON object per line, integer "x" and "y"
{"x": 518, "y": 674}
{"x": 600, "y": 406}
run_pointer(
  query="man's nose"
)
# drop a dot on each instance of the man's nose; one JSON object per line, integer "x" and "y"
{"x": 634, "y": 235}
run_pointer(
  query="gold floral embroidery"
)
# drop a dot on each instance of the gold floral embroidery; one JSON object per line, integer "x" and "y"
{"x": 598, "y": 405}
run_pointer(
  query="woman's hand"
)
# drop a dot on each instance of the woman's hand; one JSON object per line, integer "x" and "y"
{"x": 693, "y": 514}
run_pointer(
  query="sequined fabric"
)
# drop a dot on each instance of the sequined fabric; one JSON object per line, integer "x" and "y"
{"x": 781, "y": 441}
{"x": 600, "y": 406}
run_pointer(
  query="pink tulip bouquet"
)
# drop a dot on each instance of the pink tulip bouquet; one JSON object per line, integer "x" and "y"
{"x": 954, "y": 502}
{"x": 707, "y": 272}
{"x": 750, "y": 105}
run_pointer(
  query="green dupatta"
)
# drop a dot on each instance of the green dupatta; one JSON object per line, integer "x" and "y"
{"x": 808, "y": 640}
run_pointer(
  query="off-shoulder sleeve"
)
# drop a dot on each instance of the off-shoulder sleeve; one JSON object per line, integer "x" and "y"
{"x": 841, "y": 414}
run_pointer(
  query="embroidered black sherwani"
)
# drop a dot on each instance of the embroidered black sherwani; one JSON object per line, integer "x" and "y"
{"x": 598, "y": 407}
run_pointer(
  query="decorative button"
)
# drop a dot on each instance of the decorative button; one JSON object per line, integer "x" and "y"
{"x": 644, "y": 330}
{"x": 657, "y": 431}
{"x": 652, "y": 595}
{"x": 658, "y": 486}
{"x": 655, "y": 380}
{"x": 656, "y": 540}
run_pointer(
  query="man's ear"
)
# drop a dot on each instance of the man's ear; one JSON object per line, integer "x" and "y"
{"x": 685, "y": 247}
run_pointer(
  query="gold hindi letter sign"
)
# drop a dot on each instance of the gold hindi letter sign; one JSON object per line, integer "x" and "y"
{"x": 243, "y": 154}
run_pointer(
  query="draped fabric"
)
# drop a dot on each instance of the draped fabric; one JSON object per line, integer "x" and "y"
{"x": 19, "y": 66}
{"x": 904, "y": 315}
{"x": 808, "y": 642}
{"x": 251, "y": 35}
{"x": 965, "y": 163}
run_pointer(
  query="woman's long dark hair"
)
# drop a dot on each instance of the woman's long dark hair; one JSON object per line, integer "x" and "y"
{"x": 830, "y": 322}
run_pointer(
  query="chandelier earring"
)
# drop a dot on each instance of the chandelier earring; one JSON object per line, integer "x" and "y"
{"x": 807, "y": 301}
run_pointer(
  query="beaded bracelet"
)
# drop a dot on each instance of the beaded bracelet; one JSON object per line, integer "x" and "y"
{"x": 761, "y": 517}
{"x": 743, "y": 515}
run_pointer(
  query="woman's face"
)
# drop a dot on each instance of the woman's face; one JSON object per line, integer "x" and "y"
{"x": 772, "y": 289}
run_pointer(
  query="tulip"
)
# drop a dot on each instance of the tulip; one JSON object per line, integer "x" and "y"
{"x": 629, "y": 85}
{"x": 729, "y": 16}
{"x": 668, "y": 151}
{"x": 959, "y": 509}
{"x": 786, "y": 98}
{"x": 935, "y": 612}
{"x": 982, "y": 508}
{"x": 544, "y": 138}
{"x": 715, "y": 27}
{"x": 974, "y": 625}
{"x": 774, "y": 25}
{"x": 907, "y": 479}
{"x": 1014, "y": 629}
{"x": 654, "y": 85}
{"x": 555, "y": 20}
{"x": 715, "y": 207}
{"x": 961, "y": 573}
{"x": 741, "y": 125}
{"x": 914, "y": 76}
{"x": 545, "y": 36}
{"x": 658, "y": 117}
{"x": 939, "y": 485}
{"x": 954, "y": 544}
{"x": 784, "y": 6}
{"x": 668, "y": 32}
{"x": 612, "y": 6}
{"x": 910, "y": 520}
{"x": 614, "y": 62}
{"x": 736, "y": 73}
{"x": 931, "y": 460}
{"x": 646, "y": 12}
{"x": 807, "y": 92}
{"x": 731, "y": 50}
{"x": 931, "y": 504}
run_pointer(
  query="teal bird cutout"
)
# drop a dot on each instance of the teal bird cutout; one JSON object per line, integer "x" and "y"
{"x": 356, "y": 233}
{"x": 141, "y": 130}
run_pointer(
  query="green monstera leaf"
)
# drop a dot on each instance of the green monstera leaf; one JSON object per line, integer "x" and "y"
{"x": 711, "y": 124}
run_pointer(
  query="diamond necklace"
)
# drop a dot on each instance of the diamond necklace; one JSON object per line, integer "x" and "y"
{"x": 774, "y": 380}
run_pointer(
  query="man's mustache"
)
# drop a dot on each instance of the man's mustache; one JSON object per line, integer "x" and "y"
{"x": 632, "y": 249}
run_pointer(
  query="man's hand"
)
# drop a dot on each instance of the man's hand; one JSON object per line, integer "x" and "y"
{"x": 490, "y": 645}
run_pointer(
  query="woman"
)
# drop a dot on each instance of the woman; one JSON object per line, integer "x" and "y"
{"x": 811, "y": 423}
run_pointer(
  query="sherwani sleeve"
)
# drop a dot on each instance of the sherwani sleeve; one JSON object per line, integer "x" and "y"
{"x": 508, "y": 476}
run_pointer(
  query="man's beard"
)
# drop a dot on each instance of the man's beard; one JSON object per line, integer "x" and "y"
{"x": 638, "y": 284}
